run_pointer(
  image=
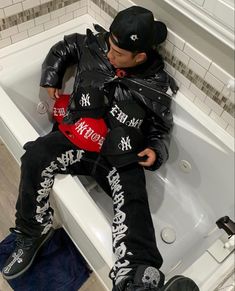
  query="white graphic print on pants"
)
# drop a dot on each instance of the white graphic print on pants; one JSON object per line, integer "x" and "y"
{"x": 119, "y": 229}
{"x": 68, "y": 158}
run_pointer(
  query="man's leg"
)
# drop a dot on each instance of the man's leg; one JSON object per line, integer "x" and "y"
{"x": 137, "y": 257}
{"x": 43, "y": 159}
{"x": 134, "y": 243}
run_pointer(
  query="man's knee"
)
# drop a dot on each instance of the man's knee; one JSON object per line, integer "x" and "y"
{"x": 35, "y": 152}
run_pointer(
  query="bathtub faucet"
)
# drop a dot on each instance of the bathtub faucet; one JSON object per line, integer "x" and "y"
{"x": 227, "y": 225}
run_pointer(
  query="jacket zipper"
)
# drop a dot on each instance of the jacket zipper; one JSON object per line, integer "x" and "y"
{"x": 152, "y": 88}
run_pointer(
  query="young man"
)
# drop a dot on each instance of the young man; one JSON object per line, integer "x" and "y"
{"x": 124, "y": 66}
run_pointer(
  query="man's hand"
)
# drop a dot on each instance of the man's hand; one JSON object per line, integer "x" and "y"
{"x": 53, "y": 93}
{"x": 150, "y": 157}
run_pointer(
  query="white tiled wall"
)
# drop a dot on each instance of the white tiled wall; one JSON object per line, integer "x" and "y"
{"x": 39, "y": 24}
{"x": 194, "y": 59}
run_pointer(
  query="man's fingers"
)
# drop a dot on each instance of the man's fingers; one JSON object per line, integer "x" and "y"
{"x": 53, "y": 93}
{"x": 56, "y": 93}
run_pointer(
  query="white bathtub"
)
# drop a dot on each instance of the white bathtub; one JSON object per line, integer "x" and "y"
{"x": 187, "y": 195}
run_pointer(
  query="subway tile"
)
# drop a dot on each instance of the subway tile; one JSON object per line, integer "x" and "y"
{"x": 230, "y": 130}
{"x": 213, "y": 105}
{"x": 170, "y": 69}
{"x": 228, "y": 117}
{"x": 44, "y": 1}
{"x": 182, "y": 79}
{"x": 202, "y": 106}
{"x": 51, "y": 24}
{"x": 175, "y": 39}
{"x": 106, "y": 25}
{"x": 125, "y": 3}
{"x": 72, "y": 7}
{"x": 197, "y": 92}
{"x": 13, "y": 9}
{"x": 26, "y": 25}
{"x": 95, "y": 8}
{"x": 5, "y": 3}
{"x": 113, "y": 3}
{"x": 2, "y": 15}
{"x": 196, "y": 68}
{"x": 219, "y": 73}
{"x": 214, "y": 82}
{"x": 91, "y": 12}
{"x": 106, "y": 17}
{"x": 168, "y": 46}
{"x": 36, "y": 30}
{"x": 27, "y": 4}
{"x": 121, "y": 7}
{"x": 229, "y": 94}
{"x": 5, "y": 42}
{"x": 180, "y": 55}
{"x": 58, "y": 13}
{"x": 42, "y": 19}
{"x": 218, "y": 119}
{"x": 66, "y": 17}
{"x": 8, "y": 32}
{"x": 187, "y": 93}
{"x": 19, "y": 36}
{"x": 197, "y": 56}
{"x": 80, "y": 12}
{"x": 100, "y": 20}
{"x": 83, "y": 3}
{"x": 226, "y": 91}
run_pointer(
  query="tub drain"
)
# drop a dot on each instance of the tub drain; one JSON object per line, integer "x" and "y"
{"x": 42, "y": 107}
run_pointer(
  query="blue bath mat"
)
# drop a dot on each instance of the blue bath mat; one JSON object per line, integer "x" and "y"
{"x": 57, "y": 267}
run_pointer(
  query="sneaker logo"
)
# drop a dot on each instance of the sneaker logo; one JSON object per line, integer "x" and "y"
{"x": 151, "y": 277}
{"x": 16, "y": 258}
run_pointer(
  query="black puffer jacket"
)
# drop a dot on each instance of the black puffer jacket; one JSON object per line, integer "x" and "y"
{"x": 146, "y": 83}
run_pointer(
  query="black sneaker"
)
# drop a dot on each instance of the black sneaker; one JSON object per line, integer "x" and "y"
{"x": 150, "y": 279}
{"x": 180, "y": 283}
{"x": 24, "y": 253}
{"x": 145, "y": 278}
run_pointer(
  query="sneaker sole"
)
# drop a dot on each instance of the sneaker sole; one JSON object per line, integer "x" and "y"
{"x": 50, "y": 233}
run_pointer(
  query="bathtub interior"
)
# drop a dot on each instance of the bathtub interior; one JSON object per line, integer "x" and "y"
{"x": 187, "y": 195}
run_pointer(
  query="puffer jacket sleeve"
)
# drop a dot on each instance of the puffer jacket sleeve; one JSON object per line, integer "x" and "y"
{"x": 62, "y": 55}
{"x": 157, "y": 128}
